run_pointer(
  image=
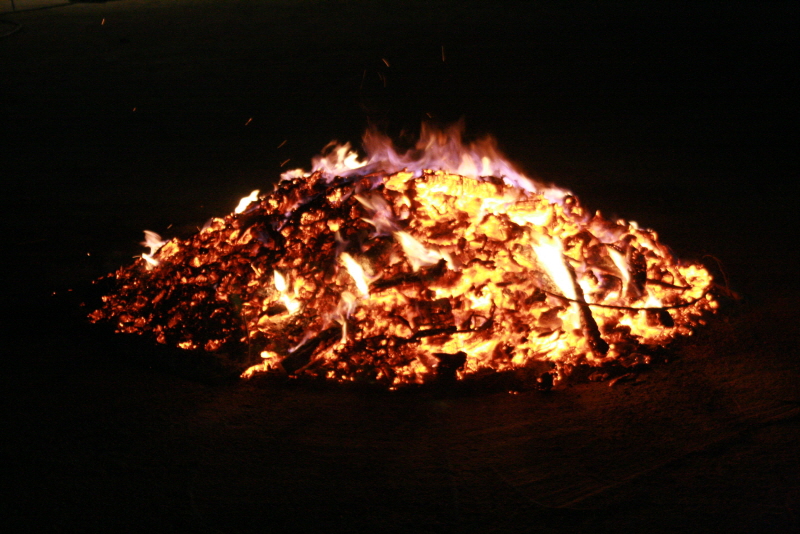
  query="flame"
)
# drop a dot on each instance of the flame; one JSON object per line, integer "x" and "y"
{"x": 154, "y": 242}
{"x": 416, "y": 253}
{"x": 292, "y": 305}
{"x": 436, "y": 150}
{"x": 552, "y": 259}
{"x": 246, "y": 201}
{"x": 356, "y": 272}
{"x": 454, "y": 263}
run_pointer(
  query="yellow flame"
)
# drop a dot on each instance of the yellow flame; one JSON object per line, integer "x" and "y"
{"x": 246, "y": 201}
{"x": 280, "y": 284}
{"x": 551, "y": 258}
{"x": 356, "y": 272}
{"x": 418, "y": 255}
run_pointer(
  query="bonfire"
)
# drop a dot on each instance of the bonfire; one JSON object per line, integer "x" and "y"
{"x": 439, "y": 263}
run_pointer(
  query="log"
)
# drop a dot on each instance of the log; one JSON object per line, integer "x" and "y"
{"x": 588, "y": 324}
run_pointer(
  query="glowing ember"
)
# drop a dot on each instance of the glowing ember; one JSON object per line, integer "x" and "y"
{"x": 402, "y": 268}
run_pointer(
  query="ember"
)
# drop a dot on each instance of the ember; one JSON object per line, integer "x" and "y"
{"x": 403, "y": 268}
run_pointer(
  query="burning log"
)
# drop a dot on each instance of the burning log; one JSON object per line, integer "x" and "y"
{"x": 402, "y": 270}
{"x": 590, "y": 329}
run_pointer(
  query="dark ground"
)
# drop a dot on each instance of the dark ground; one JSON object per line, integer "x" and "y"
{"x": 128, "y": 115}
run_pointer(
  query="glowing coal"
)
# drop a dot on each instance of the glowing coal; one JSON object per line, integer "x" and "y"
{"x": 402, "y": 268}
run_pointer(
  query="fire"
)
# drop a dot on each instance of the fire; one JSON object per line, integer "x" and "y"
{"x": 152, "y": 241}
{"x": 403, "y": 268}
{"x": 246, "y": 201}
{"x": 291, "y": 304}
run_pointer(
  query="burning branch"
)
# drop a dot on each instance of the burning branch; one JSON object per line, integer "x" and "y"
{"x": 590, "y": 329}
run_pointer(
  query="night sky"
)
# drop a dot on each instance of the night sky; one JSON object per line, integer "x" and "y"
{"x": 128, "y": 115}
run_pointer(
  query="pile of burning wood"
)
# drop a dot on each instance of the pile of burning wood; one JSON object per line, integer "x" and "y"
{"x": 440, "y": 263}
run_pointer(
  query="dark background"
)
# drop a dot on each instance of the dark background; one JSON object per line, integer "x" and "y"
{"x": 133, "y": 114}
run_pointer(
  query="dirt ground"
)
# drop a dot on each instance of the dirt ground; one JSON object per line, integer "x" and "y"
{"x": 134, "y": 114}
